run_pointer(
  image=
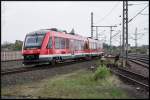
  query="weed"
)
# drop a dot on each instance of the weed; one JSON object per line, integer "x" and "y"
{"x": 101, "y": 72}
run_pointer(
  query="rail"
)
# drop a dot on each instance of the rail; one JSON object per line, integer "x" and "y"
{"x": 131, "y": 76}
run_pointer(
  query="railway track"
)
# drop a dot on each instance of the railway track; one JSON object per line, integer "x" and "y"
{"x": 142, "y": 60}
{"x": 139, "y": 57}
{"x": 40, "y": 67}
{"x": 133, "y": 77}
{"x": 139, "y": 63}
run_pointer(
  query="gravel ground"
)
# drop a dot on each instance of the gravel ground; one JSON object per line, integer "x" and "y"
{"x": 139, "y": 69}
{"x": 21, "y": 78}
{"x": 133, "y": 92}
{"x": 37, "y": 75}
{"x": 11, "y": 65}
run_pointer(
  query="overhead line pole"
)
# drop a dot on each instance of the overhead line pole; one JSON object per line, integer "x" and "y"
{"x": 97, "y": 33}
{"x": 91, "y": 24}
{"x": 125, "y": 33}
{"x": 110, "y": 34}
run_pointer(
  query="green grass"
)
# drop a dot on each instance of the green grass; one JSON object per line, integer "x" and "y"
{"x": 101, "y": 72}
{"x": 79, "y": 85}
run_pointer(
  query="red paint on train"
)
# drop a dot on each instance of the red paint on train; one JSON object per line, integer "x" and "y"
{"x": 48, "y": 44}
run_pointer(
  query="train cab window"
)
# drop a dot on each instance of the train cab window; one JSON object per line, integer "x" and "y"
{"x": 57, "y": 43}
{"x": 34, "y": 40}
{"x": 50, "y": 43}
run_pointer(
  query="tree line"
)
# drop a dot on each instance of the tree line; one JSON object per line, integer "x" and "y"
{"x": 17, "y": 46}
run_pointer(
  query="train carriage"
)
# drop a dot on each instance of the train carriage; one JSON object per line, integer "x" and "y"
{"x": 49, "y": 45}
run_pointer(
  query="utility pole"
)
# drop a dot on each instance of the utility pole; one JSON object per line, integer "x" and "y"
{"x": 110, "y": 34}
{"x": 110, "y": 38}
{"x": 125, "y": 33}
{"x": 97, "y": 33}
{"x": 120, "y": 43}
{"x": 91, "y": 24}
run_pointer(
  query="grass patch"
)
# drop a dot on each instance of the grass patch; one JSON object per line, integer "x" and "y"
{"x": 101, "y": 72}
{"x": 79, "y": 85}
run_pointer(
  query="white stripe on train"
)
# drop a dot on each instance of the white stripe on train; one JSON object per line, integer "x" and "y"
{"x": 53, "y": 55}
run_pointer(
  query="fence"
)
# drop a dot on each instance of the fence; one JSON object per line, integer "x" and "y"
{"x": 11, "y": 55}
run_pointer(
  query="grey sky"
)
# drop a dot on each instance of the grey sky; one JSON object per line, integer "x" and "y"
{"x": 21, "y": 17}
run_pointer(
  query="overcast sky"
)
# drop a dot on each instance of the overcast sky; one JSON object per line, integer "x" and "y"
{"x": 21, "y": 17}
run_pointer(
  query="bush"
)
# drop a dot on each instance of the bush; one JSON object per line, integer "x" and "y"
{"x": 101, "y": 72}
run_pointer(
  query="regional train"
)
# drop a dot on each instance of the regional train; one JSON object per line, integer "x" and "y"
{"x": 53, "y": 45}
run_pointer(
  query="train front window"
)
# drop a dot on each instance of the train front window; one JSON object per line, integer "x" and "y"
{"x": 34, "y": 40}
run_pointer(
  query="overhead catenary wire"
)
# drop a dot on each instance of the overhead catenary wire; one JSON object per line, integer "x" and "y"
{"x": 102, "y": 19}
{"x": 137, "y": 4}
{"x": 137, "y": 14}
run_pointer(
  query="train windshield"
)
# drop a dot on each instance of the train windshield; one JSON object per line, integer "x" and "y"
{"x": 34, "y": 41}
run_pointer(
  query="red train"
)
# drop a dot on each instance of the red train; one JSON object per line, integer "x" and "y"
{"x": 52, "y": 45}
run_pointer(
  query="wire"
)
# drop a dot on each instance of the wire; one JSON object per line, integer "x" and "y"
{"x": 137, "y": 4}
{"x": 102, "y": 19}
{"x": 115, "y": 34}
{"x": 137, "y": 14}
{"x": 144, "y": 14}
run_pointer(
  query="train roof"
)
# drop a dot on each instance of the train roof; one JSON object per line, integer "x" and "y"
{"x": 38, "y": 32}
{"x": 44, "y": 31}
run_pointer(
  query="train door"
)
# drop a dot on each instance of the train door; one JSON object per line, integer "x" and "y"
{"x": 50, "y": 46}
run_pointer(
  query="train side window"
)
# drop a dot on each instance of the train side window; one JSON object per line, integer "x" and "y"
{"x": 50, "y": 43}
{"x": 79, "y": 47}
{"x": 86, "y": 45}
{"x": 57, "y": 43}
{"x": 62, "y": 43}
{"x": 75, "y": 44}
{"x": 82, "y": 45}
{"x": 67, "y": 43}
{"x": 91, "y": 45}
{"x": 94, "y": 45}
